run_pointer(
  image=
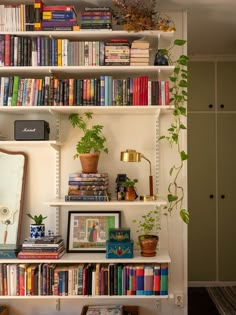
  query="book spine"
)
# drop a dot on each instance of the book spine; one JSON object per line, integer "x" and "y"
{"x": 164, "y": 279}
{"x": 86, "y": 198}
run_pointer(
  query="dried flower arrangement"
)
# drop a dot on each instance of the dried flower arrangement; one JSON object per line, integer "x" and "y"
{"x": 140, "y": 15}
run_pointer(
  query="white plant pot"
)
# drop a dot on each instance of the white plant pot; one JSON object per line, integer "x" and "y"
{"x": 37, "y": 231}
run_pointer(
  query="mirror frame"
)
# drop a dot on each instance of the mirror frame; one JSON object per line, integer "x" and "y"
{"x": 22, "y": 191}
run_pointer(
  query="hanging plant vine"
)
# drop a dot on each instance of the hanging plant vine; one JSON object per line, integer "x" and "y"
{"x": 178, "y": 91}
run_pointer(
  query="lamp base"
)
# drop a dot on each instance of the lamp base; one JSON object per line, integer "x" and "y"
{"x": 148, "y": 198}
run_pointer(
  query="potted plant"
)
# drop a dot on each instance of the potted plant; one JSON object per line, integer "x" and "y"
{"x": 37, "y": 229}
{"x": 91, "y": 143}
{"x": 130, "y": 189}
{"x": 148, "y": 228}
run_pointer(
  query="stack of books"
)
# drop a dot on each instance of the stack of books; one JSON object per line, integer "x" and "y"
{"x": 117, "y": 52}
{"x": 48, "y": 247}
{"x": 99, "y": 18}
{"x": 88, "y": 187}
{"x": 105, "y": 310}
{"x": 55, "y": 17}
{"x": 139, "y": 53}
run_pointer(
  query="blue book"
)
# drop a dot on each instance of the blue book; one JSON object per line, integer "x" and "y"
{"x": 139, "y": 280}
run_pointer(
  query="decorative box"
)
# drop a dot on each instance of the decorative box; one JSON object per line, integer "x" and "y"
{"x": 119, "y": 249}
{"x": 31, "y": 130}
{"x": 119, "y": 234}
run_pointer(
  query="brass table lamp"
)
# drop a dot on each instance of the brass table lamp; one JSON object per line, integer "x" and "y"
{"x": 134, "y": 156}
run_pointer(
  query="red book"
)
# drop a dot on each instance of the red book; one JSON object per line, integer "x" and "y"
{"x": 39, "y": 255}
{"x": 157, "y": 280}
{"x": 7, "y": 50}
{"x": 167, "y": 93}
{"x": 58, "y": 8}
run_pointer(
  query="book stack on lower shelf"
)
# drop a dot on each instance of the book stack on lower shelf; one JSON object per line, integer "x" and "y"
{"x": 48, "y": 247}
{"x": 88, "y": 187}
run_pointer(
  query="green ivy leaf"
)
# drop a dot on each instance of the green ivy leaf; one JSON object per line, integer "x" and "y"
{"x": 171, "y": 171}
{"x": 182, "y": 126}
{"x": 184, "y": 214}
{"x": 172, "y": 198}
{"x": 179, "y": 42}
{"x": 183, "y": 155}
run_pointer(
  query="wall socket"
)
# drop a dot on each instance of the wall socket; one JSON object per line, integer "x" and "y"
{"x": 179, "y": 300}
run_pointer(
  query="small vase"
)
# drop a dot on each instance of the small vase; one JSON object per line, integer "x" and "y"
{"x": 130, "y": 194}
{"x": 160, "y": 60}
{"x": 148, "y": 244}
{"x": 37, "y": 230}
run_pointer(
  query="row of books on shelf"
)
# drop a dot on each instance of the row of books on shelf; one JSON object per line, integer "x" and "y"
{"x": 83, "y": 279}
{"x": 18, "y": 50}
{"x": 102, "y": 91}
{"x": 38, "y": 16}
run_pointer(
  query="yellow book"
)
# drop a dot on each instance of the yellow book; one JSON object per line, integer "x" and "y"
{"x": 59, "y": 52}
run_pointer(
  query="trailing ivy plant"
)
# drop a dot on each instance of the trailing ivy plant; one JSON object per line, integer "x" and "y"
{"x": 179, "y": 84}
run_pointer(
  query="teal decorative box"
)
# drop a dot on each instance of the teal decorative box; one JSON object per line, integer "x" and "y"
{"x": 119, "y": 249}
{"x": 119, "y": 234}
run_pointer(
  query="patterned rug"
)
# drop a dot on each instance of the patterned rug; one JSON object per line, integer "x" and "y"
{"x": 224, "y": 299}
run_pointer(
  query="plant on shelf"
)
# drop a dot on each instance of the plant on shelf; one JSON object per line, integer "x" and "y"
{"x": 38, "y": 219}
{"x": 179, "y": 81}
{"x": 130, "y": 189}
{"x": 140, "y": 15}
{"x": 91, "y": 143}
{"x": 148, "y": 228}
{"x": 37, "y": 229}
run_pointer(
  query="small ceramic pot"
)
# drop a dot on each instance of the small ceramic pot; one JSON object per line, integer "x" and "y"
{"x": 37, "y": 231}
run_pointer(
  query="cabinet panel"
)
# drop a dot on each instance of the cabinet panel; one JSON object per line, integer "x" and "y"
{"x": 226, "y": 86}
{"x": 226, "y": 196}
{"x": 202, "y": 197}
{"x": 201, "y": 95}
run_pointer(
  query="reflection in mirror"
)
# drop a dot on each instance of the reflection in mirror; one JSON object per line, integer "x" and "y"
{"x": 12, "y": 183}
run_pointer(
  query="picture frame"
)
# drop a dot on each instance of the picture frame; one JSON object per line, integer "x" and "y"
{"x": 88, "y": 230}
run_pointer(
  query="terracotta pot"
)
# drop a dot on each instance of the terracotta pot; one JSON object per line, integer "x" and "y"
{"x": 89, "y": 162}
{"x": 130, "y": 194}
{"x": 148, "y": 244}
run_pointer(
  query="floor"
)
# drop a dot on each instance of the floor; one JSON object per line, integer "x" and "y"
{"x": 200, "y": 303}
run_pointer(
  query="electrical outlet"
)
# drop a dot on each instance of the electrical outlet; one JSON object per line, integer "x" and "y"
{"x": 179, "y": 300}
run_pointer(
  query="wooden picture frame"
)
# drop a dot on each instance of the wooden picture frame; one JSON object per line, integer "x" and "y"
{"x": 88, "y": 230}
{"x": 13, "y": 166}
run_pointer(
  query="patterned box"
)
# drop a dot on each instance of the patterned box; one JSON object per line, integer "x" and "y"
{"x": 119, "y": 234}
{"x": 119, "y": 249}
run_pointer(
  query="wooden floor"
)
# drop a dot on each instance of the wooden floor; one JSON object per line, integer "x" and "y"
{"x": 200, "y": 303}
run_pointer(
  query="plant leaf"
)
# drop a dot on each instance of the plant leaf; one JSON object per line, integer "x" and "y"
{"x": 184, "y": 214}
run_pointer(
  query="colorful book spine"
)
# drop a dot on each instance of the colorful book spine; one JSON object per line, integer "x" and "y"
{"x": 156, "y": 282}
{"x": 164, "y": 279}
{"x": 148, "y": 280}
{"x": 140, "y": 280}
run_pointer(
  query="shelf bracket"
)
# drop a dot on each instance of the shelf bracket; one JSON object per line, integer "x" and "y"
{"x": 58, "y": 304}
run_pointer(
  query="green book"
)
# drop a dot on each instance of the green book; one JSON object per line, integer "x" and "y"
{"x": 15, "y": 90}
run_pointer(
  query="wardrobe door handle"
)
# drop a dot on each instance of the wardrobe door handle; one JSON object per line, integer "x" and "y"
{"x": 210, "y": 105}
{"x": 222, "y": 105}
{"x": 222, "y": 196}
{"x": 211, "y": 196}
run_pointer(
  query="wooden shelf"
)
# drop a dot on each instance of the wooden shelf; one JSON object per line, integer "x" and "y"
{"x": 162, "y": 256}
{"x": 102, "y": 110}
{"x": 164, "y": 39}
{"x": 61, "y": 202}
{"x": 81, "y": 71}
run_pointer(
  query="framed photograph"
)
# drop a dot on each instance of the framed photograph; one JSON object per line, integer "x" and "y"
{"x": 88, "y": 230}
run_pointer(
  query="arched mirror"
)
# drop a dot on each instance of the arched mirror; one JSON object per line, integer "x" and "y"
{"x": 12, "y": 183}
